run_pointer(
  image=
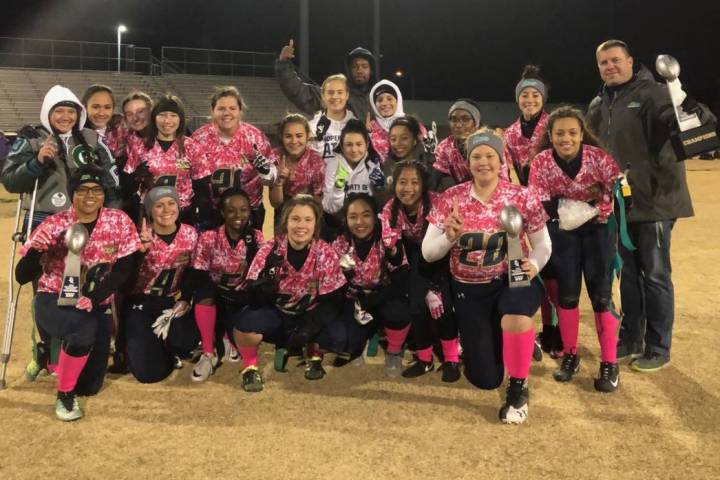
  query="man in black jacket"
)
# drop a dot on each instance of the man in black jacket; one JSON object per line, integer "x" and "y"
{"x": 634, "y": 117}
{"x": 360, "y": 67}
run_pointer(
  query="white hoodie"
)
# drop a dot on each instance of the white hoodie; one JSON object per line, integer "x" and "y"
{"x": 325, "y": 146}
{"x": 358, "y": 181}
{"x": 385, "y": 122}
{"x": 55, "y": 95}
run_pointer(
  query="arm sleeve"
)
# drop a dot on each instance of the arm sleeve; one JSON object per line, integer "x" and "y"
{"x": 304, "y": 96}
{"x": 435, "y": 245}
{"x": 29, "y": 267}
{"x": 119, "y": 273}
{"x": 21, "y": 168}
{"x": 541, "y": 248}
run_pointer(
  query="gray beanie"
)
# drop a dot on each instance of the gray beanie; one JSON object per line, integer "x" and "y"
{"x": 156, "y": 194}
{"x": 469, "y": 106}
{"x": 530, "y": 83}
{"x": 485, "y": 138}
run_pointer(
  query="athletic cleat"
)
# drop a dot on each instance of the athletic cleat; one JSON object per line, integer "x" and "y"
{"x": 537, "y": 350}
{"x": 418, "y": 368}
{"x": 231, "y": 355}
{"x": 314, "y": 369}
{"x": 450, "y": 372}
{"x": 41, "y": 356}
{"x": 568, "y": 368}
{"x": 632, "y": 350}
{"x": 67, "y": 408}
{"x": 251, "y": 379}
{"x": 177, "y": 363}
{"x": 393, "y": 364}
{"x": 515, "y": 409}
{"x": 608, "y": 377}
{"x": 204, "y": 367}
{"x": 650, "y": 362}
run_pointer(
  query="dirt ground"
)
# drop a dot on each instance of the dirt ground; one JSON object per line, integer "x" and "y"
{"x": 356, "y": 424}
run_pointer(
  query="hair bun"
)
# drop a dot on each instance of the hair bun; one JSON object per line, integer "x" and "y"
{"x": 531, "y": 71}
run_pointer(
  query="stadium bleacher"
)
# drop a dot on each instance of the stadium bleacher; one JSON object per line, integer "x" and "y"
{"x": 22, "y": 91}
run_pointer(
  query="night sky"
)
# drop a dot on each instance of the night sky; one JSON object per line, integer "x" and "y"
{"x": 451, "y": 48}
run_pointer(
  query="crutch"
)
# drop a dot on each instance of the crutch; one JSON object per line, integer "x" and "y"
{"x": 13, "y": 289}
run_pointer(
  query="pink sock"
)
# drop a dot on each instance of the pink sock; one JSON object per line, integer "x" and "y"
{"x": 68, "y": 371}
{"x": 607, "y": 329}
{"x": 396, "y": 338}
{"x": 517, "y": 352}
{"x": 52, "y": 367}
{"x": 249, "y": 356}
{"x": 205, "y": 319}
{"x": 450, "y": 350}
{"x": 569, "y": 323}
{"x": 425, "y": 354}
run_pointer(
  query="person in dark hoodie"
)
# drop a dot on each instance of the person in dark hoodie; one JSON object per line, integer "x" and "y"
{"x": 360, "y": 69}
{"x": 634, "y": 117}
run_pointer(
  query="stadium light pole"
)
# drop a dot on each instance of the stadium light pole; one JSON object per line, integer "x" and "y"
{"x": 120, "y": 30}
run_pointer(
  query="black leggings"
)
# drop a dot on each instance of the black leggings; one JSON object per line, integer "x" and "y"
{"x": 151, "y": 359}
{"x": 479, "y": 309}
{"x": 586, "y": 251}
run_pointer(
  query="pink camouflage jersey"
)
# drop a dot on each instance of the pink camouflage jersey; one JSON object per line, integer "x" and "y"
{"x": 450, "y": 161}
{"x": 230, "y": 164}
{"x": 598, "y": 168}
{"x": 163, "y": 266}
{"x": 168, "y": 168}
{"x": 479, "y": 255}
{"x": 519, "y": 150}
{"x": 113, "y": 237}
{"x": 116, "y": 139}
{"x": 298, "y": 290}
{"x": 307, "y": 177}
{"x": 225, "y": 264}
{"x": 380, "y": 139}
{"x": 411, "y": 231}
{"x": 370, "y": 273}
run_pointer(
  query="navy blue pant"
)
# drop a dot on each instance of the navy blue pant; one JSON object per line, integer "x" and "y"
{"x": 422, "y": 277}
{"x": 479, "y": 309}
{"x": 79, "y": 331}
{"x": 275, "y": 325}
{"x": 646, "y": 288}
{"x": 151, "y": 359}
{"x": 586, "y": 251}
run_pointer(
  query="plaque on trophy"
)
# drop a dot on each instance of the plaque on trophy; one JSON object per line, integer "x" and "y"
{"x": 693, "y": 137}
{"x": 75, "y": 239}
{"x": 511, "y": 221}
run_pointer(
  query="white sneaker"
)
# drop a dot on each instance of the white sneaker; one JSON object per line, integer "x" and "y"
{"x": 231, "y": 355}
{"x": 204, "y": 368}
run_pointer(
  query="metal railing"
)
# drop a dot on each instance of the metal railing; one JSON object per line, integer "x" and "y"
{"x": 217, "y": 62}
{"x": 74, "y": 55}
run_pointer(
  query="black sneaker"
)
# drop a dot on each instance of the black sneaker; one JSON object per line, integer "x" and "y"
{"x": 632, "y": 350}
{"x": 314, "y": 369}
{"x": 515, "y": 409}
{"x": 608, "y": 377}
{"x": 450, "y": 372}
{"x": 537, "y": 350}
{"x": 119, "y": 365}
{"x": 252, "y": 380}
{"x": 418, "y": 368}
{"x": 568, "y": 368}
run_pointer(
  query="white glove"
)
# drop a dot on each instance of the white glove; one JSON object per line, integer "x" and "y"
{"x": 362, "y": 316}
{"x": 346, "y": 261}
{"x": 161, "y": 327}
{"x": 433, "y": 300}
{"x": 574, "y": 213}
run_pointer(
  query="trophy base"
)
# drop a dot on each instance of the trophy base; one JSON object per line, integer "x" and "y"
{"x": 695, "y": 141}
{"x": 516, "y": 275}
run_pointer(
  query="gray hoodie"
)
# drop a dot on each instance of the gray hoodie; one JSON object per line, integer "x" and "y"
{"x": 22, "y": 167}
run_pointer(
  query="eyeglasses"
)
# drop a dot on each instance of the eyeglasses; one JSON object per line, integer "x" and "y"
{"x": 96, "y": 191}
{"x": 465, "y": 119}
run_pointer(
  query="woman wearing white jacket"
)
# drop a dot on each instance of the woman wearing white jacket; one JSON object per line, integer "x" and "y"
{"x": 355, "y": 168}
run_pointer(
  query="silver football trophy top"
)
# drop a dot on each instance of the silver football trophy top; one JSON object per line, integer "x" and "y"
{"x": 668, "y": 67}
{"x": 511, "y": 220}
{"x": 76, "y": 237}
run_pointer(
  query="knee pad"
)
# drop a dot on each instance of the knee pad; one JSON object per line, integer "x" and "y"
{"x": 77, "y": 350}
{"x": 600, "y": 303}
{"x": 569, "y": 301}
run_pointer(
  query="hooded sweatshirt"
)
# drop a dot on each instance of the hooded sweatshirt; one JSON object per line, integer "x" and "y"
{"x": 22, "y": 167}
{"x": 380, "y": 126}
{"x": 306, "y": 96}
